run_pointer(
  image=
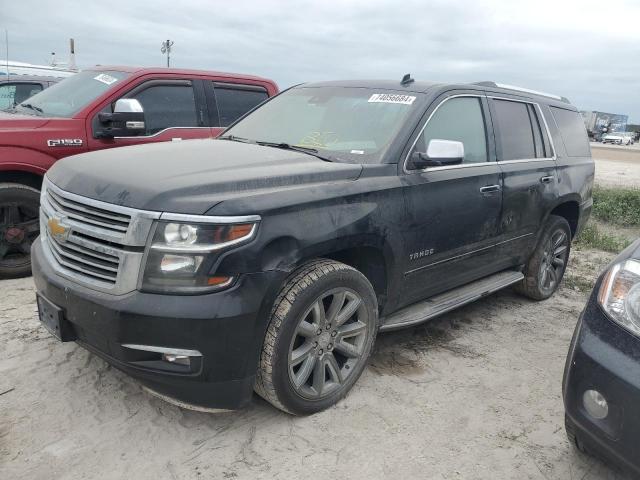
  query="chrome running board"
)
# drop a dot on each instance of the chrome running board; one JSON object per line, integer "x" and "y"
{"x": 444, "y": 302}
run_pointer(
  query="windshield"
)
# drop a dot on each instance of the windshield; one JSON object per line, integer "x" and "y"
{"x": 354, "y": 125}
{"x": 71, "y": 95}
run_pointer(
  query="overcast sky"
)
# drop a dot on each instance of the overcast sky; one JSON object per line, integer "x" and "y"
{"x": 586, "y": 50}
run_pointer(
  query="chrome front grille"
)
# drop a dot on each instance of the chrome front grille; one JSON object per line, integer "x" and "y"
{"x": 89, "y": 215}
{"x": 94, "y": 243}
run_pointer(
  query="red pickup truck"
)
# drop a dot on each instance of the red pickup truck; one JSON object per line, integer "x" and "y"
{"x": 100, "y": 108}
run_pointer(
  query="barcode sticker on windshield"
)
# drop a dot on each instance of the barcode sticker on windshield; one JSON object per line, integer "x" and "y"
{"x": 106, "y": 79}
{"x": 391, "y": 98}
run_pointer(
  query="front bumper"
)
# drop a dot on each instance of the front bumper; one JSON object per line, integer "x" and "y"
{"x": 226, "y": 327}
{"x": 606, "y": 358}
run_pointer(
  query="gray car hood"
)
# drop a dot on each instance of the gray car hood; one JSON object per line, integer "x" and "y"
{"x": 190, "y": 176}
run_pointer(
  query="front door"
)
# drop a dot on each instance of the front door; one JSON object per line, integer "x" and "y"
{"x": 173, "y": 110}
{"x": 453, "y": 211}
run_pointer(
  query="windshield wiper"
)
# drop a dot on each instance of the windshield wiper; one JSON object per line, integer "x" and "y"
{"x": 296, "y": 148}
{"x": 233, "y": 138}
{"x": 31, "y": 107}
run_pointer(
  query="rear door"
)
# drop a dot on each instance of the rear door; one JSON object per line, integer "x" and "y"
{"x": 526, "y": 157}
{"x": 228, "y": 101}
{"x": 452, "y": 211}
{"x": 174, "y": 109}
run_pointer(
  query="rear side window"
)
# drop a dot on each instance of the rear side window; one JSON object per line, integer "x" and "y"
{"x": 12, "y": 93}
{"x": 7, "y": 95}
{"x": 234, "y": 102}
{"x": 573, "y": 132}
{"x": 458, "y": 119}
{"x": 26, "y": 90}
{"x": 167, "y": 106}
{"x": 515, "y": 132}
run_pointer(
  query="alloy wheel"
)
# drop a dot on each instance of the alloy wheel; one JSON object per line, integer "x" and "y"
{"x": 554, "y": 260}
{"x": 19, "y": 227}
{"x": 328, "y": 344}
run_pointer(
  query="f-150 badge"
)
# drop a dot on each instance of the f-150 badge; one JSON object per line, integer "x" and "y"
{"x": 65, "y": 142}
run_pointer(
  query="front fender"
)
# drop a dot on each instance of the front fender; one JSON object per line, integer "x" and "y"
{"x": 25, "y": 159}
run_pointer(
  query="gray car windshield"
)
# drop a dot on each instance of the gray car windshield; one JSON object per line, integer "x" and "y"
{"x": 355, "y": 125}
{"x": 71, "y": 95}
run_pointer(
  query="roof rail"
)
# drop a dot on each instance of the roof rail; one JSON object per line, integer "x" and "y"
{"x": 522, "y": 89}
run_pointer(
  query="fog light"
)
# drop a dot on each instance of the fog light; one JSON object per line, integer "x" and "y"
{"x": 595, "y": 404}
{"x": 177, "y": 359}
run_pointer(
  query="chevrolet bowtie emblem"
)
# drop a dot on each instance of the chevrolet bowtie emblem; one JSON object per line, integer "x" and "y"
{"x": 58, "y": 230}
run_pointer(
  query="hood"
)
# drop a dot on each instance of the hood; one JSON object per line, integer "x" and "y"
{"x": 16, "y": 121}
{"x": 191, "y": 176}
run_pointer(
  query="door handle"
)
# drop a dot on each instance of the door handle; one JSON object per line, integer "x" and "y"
{"x": 490, "y": 189}
{"x": 547, "y": 179}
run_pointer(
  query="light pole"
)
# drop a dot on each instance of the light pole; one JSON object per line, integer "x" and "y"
{"x": 166, "y": 48}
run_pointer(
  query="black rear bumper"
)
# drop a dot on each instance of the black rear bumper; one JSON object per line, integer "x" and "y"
{"x": 604, "y": 357}
{"x": 227, "y": 328}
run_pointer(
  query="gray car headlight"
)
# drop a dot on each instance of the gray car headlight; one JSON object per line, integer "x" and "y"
{"x": 181, "y": 256}
{"x": 619, "y": 295}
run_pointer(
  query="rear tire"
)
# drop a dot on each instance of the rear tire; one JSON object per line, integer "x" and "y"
{"x": 545, "y": 269}
{"x": 322, "y": 327}
{"x": 19, "y": 227}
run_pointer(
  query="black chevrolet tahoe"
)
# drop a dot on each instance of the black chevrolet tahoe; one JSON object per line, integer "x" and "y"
{"x": 270, "y": 258}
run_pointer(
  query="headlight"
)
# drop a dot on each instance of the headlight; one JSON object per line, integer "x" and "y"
{"x": 181, "y": 255}
{"x": 619, "y": 295}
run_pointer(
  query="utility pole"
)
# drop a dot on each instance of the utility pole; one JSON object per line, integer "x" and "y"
{"x": 6, "y": 39}
{"x": 166, "y": 48}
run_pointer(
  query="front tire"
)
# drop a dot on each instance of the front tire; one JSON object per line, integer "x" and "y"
{"x": 19, "y": 227}
{"x": 545, "y": 269}
{"x": 322, "y": 327}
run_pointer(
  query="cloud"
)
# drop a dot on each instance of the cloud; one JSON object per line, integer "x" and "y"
{"x": 569, "y": 47}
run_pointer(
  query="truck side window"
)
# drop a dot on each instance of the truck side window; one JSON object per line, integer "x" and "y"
{"x": 459, "y": 119}
{"x": 12, "y": 93}
{"x": 573, "y": 132}
{"x": 235, "y": 102}
{"x": 515, "y": 132}
{"x": 167, "y": 106}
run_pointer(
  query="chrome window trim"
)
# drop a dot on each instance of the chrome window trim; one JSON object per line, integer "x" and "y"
{"x": 161, "y": 132}
{"x": 446, "y": 167}
{"x": 536, "y": 105}
{"x": 525, "y": 160}
{"x": 488, "y": 162}
{"x": 185, "y": 218}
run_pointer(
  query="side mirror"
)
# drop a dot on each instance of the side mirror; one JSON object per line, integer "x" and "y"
{"x": 439, "y": 153}
{"x": 127, "y": 120}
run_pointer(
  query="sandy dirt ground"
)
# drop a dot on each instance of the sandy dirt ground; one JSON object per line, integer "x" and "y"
{"x": 474, "y": 394}
{"x": 617, "y": 166}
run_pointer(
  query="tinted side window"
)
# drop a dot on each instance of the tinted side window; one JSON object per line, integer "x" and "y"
{"x": 26, "y": 90}
{"x": 458, "y": 119}
{"x": 168, "y": 106}
{"x": 573, "y": 132}
{"x": 233, "y": 103}
{"x": 515, "y": 132}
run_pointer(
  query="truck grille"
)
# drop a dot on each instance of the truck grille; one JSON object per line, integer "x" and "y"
{"x": 88, "y": 215}
{"x": 94, "y": 243}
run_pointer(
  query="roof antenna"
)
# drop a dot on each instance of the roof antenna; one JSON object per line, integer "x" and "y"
{"x": 406, "y": 80}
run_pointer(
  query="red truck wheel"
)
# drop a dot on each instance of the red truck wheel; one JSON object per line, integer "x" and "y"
{"x": 19, "y": 227}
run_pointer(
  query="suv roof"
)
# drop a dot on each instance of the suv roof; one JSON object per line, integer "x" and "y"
{"x": 422, "y": 87}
